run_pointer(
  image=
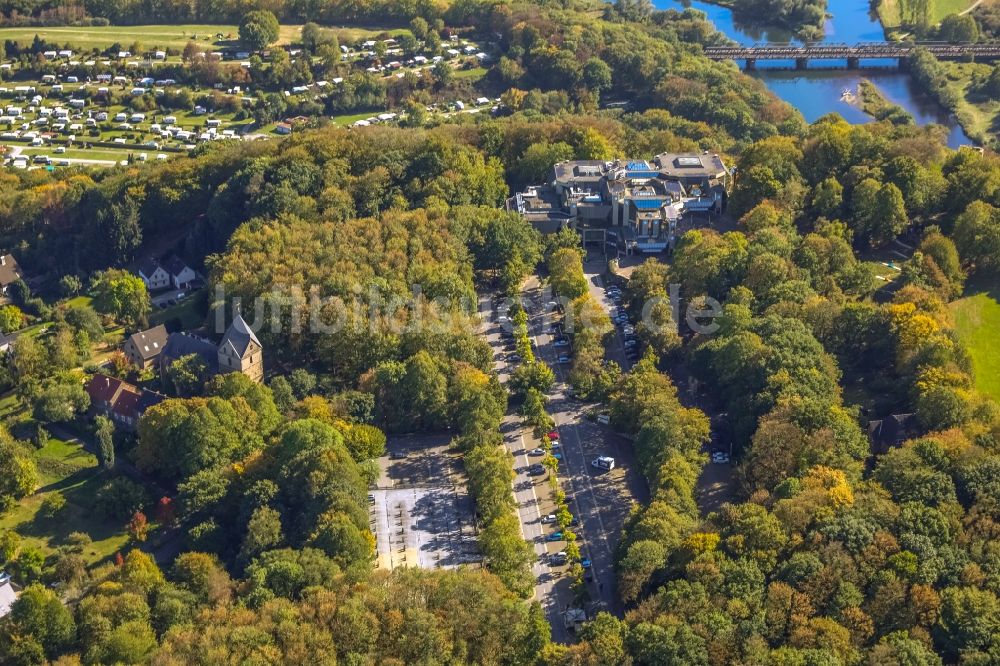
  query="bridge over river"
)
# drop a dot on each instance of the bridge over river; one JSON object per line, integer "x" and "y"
{"x": 852, "y": 54}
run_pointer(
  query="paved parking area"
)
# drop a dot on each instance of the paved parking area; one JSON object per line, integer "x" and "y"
{"x": 420, "y": 510}
{"x": 593, "y": 269}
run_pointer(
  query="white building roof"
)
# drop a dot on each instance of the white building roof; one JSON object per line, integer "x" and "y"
{"x": 7, "y": 595}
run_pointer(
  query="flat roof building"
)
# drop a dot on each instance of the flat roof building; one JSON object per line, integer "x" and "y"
{"x": 637, "y": 203}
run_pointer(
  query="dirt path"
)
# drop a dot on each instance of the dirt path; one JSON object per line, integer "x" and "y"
{"x": 970, "y": 7}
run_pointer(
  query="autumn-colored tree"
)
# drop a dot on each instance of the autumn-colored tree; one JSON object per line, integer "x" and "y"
{"x": 138, "y": 526}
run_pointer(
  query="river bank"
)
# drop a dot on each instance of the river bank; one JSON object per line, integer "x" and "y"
{"x": 804, "y": 20}
{"x": 978, "y": 107}
{"x": 817, "y": 92}
{"x": 877, "y": 106}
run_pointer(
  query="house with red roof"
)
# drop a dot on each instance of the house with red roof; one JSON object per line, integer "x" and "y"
{"x": 120, "y": 401}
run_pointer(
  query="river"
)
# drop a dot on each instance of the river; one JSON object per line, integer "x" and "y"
{"x": 818, "y": 92}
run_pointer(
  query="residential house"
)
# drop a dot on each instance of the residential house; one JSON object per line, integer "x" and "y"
{"x": 10, "y": 272}
{"x": 7, "y": 341}
{"x": 241, "y": 351}
{"x": 8, "y": 595}
{"x": 181, "y": 275}
{"x": 120, "y": 401}
{"x": 143, "y": 349}
{"x": 153, "y": 274}
{"x": 891, "y": 431}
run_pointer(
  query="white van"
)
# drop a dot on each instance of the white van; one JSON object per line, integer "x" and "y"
{"x": 604, "y": 462}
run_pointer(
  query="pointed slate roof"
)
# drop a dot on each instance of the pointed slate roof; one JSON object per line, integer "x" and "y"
{"x": 174, "y": 265}
{"x": 150, "y": 342}
{"x": 240, "y": 336}
{"x": 182, "y": 344}
{"x": 148, "y": 266}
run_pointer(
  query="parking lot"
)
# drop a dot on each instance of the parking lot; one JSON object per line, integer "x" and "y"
{"x": 599, "y": 499}
{"x": 624, "y": 349}
{"x": 420, "y": 511}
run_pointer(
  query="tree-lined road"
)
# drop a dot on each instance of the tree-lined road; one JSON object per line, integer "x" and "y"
{"x": 552, "y": 591}
{"x": 600, "y": 500}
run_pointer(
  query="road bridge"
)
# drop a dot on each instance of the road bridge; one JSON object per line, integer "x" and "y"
{"x": 852, "y": 54}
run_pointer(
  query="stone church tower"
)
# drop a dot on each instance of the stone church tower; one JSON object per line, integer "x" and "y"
{"x": 241, "y": 351}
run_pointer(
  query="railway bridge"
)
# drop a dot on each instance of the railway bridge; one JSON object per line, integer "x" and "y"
{"x": 852, "y": 54}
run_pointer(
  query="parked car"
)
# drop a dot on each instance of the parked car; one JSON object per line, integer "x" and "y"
{"x": 561, "y": 342}
{"x": 550, "y": 518}
{"x": 558, "y": 559}
{"x": 555, "y": 536}
{"x": 536, "y": 470}
{"x": 603, "y": 462}
{"x": 720, "y": 457}
{"x": 553, "y": 436}
{"x": 536, "y": 452}
{"x": 563, "y": 359}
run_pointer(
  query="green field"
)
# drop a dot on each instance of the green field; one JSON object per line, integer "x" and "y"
{"x": 68, "y": 470}
{"x": 889, "y": 10}
{"x": 977, "y": 321}
{"x": 348, "y": 118}
{"x": 351, "y": 35}
{"x": 90, "y": 154}
{"x": 149, "y": 36}
{"x": 474, "y": 73}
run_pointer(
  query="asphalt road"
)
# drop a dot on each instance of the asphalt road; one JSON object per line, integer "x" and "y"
{"x": 533, "y": 495}
{"x": 601, "y": 500}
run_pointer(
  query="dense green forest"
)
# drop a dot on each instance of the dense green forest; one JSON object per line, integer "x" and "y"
{"x": 830, "y": 553}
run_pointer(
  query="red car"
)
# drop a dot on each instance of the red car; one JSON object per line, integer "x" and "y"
{"x": 554, "y": 436}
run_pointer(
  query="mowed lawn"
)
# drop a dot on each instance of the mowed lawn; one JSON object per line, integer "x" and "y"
{"x": 66, "y": 469}
{"x": 977, "y": 321}
{"x": 889, "y": 10}
{"x": 89, "y": 154}
{"x": 150, "y": 36}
